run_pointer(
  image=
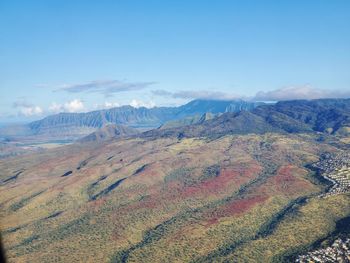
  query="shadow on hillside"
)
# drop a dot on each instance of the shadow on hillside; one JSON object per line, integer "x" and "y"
{"x": 2, "y": 252}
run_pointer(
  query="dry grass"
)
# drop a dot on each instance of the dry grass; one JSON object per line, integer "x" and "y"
{"x": 180, "y": 201}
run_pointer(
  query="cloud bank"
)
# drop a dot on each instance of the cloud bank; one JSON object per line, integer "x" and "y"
{"x": 302, "y": 92}
{"x": 201, "y": 94}
{"x": 106, "y": 105}
{"x": 27, "y": 109}
{"x": 75, "y": 105}
{"x": 105, "y": 87}
{"x": 285, "y": 93}
{"x": 139, "y": 103}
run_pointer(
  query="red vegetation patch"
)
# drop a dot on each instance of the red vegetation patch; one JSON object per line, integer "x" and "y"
{"x": 240, "y": 206}
{"x": 211, "y": 221}
{"x": 234, "y": 208}
{"x": 149, "y": 175}
{"x": 285, "y": 175}
{"x": 148, "y": 202}
{"x": 97, "y": 204}
{"x": 289, "y": 181}
{"x": 232, "y": 177}
{"x": 189, "y": 191}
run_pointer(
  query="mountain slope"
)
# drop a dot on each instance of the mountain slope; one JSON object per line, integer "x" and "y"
{"x": 239, "y": 187}
{"x": 329, "y": 116}
{"x": 230, "y": 199}
{"x": 242, "y": 122}
{"x": 193, "y": 119}
{"x": 325, "y": 115}
{"x": 200, "y": 107}
{"x": 70, "y": 126}
{"x": 139, "y": 117}
{"x": 107, "y": 132}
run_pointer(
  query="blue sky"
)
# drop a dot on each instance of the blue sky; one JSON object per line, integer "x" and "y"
{"x": 84, "y": 55}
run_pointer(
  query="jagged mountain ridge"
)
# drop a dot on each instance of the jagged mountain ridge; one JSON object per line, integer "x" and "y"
{"x": 331, "y": 116}
{"x": 140, "y": 117}
{"x": 110, "y": 131}
{"x": 72, "y": 126}
{"x": 193, "y": 119}
{"x": 325, "y": 115}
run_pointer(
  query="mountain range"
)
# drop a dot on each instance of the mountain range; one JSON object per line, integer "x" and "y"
{"x": 110, "y": 131}
{"x": 72, "y": 126}
{"x": 329, "y": 116}
{"x": 197, "y": 118}
{"x": 244, "y": 186}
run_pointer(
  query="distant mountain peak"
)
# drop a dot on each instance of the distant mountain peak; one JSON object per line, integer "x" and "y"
{"x": 109, "y": 131}
{"x": 71, "y": 126}
{"x": 301, "y": 116}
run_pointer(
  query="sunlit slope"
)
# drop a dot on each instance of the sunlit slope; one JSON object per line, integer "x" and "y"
{"x": 166, "y": 200}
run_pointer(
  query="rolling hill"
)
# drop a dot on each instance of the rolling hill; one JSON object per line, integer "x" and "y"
{"x": 236, "y": 188}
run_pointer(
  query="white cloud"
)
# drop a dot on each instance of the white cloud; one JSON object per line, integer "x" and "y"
{"x": 55, "y": 107}
{"x": 109, "y": 105}
{"x": 75, "y": 105}
{"x": 285, "y": 93}
{"x": 105, "y": 87}
{"x": 31, "y": 111}
{"x": 27, "y": 109}
{"x": 300, "y": 92}
{"x": 197, "y": 94}
{"x": 106, "y": 105}
{"x": 138, "y": 103}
